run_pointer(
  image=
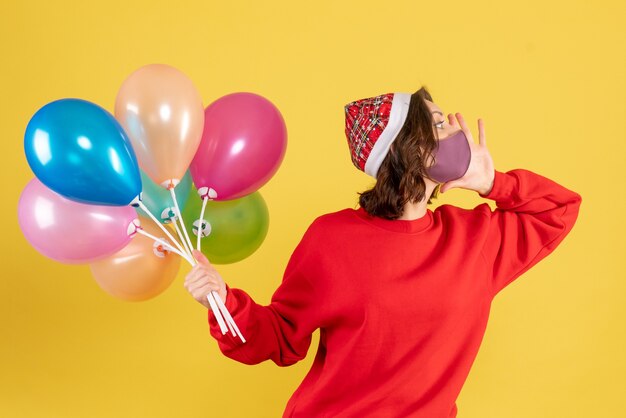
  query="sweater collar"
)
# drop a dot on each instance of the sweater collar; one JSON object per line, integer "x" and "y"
{"x": 397, "y": 225}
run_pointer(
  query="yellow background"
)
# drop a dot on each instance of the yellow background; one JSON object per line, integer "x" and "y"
{"x": 548, "y": 79}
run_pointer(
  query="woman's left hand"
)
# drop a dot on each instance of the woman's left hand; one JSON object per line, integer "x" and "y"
{"x": 480, "y": 173}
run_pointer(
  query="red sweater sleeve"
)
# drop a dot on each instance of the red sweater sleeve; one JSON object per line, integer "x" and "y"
{"x": 282, "y": 330}
{"x": 533, "y": 215}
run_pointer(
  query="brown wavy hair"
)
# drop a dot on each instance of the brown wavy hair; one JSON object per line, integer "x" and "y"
{"x": 400, "y": 178}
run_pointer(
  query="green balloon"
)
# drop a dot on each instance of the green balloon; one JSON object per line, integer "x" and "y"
{"x": 233, "y": 229}
{"x": 158, "y": 199}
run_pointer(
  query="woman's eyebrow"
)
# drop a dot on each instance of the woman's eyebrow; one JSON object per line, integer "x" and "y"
{"x": 436, "y": 111}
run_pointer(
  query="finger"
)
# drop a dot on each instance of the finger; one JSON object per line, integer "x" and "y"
{"x": 194, "y": 277}
{"x": 197, "y": 266}
{"x": 205, "y": 281}
{"x": 200, "y": 257}
{"x": 451, "y": 119}
{"x": 461, "y": 121}
{"x": 482, "y": 139}
{"x": 193, "y": 274}
{"x": 198, "y": 287}
{"x": 202, "y": 291}
{"x": 465, "y": 129}
{"x": 189, "y": 278}
{"x": 212, "y": 282}
{"x": 446, "y": 186}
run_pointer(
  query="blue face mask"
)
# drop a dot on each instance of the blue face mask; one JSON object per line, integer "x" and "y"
{"x": 452, "y": 158}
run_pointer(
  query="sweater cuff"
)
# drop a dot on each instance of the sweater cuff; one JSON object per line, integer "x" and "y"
{"x": 504, "y": 186}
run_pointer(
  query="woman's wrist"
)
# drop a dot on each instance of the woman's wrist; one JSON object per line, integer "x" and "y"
{"x": 488, "y": 185}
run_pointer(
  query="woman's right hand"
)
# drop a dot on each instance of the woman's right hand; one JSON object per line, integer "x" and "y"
{"x": 202, "y": 279}
{"x": 480, "y": 174}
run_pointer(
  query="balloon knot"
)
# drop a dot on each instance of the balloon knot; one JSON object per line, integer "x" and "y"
{"x": 207, "y": 192}
{"x": 133, "y": 227}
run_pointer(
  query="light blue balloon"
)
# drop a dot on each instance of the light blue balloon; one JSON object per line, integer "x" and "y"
{"x": 158, "y": 199}
{"x": 79, "y": 150}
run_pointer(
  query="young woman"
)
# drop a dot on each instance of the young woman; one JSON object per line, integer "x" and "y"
{"x": 401, "y": 293}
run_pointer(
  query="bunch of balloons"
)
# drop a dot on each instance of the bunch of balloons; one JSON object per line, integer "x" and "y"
{"x": 111, "y": 190}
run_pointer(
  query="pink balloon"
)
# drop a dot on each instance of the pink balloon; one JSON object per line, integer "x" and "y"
{"x": 69, "y": 231}
{"x": 243, "y": 143}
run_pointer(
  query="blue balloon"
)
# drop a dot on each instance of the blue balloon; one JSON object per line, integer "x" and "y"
{"x": 79, "y": 150}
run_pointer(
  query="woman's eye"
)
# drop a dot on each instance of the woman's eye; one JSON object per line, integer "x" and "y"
{"x": 439, "y": 124}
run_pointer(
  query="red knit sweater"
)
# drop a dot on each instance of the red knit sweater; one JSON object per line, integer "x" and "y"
{"x": 401, "y": 305}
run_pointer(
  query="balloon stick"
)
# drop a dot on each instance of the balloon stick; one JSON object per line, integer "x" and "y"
{"x": 180, "y": 216}
{"x": 164, "y": 243}
{"x": 217, "y": 313}
{"x": 182, "y": 238}
{"x": 228, "y": 316}
{"x": 221, "y": 312}
{"x": 145, "y": 209}
{"x": 217, "y": 305}
{"x": 201, "y": 226}
{"x": 215, "y": 301}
